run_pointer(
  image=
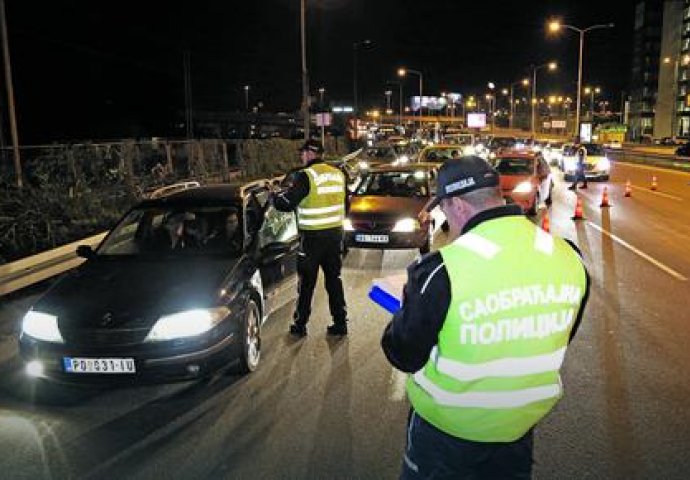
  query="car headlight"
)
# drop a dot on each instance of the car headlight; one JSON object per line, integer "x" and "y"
{"x": 41, "y": 326}
{"x": 189, "y": 323}
{"x": 403, "y": 159}
{"x": 519, "y": 146}
{"x": 492, "y": 155}
{"x": 363, "y": 165}
{"x": 604, "y": 164}
{"x": 406, "y": 225}
{"x": 479, "y": 148}
{"x": 523, "y": 187}
{"x": 347, "y": 225}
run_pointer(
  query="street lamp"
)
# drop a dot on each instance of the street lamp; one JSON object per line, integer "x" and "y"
{"x": 525, "y": 83}
{"x": 555, "y": 26}
{"x": 591, "y": 91}
{"x": 535, "y": 68}
{"x": 305, "y": 72}
{"x": 402, "y": 72}
{"x": 246, "y": 98}
{"x": 355, "y": 47}
{"x": 321, "y": 92}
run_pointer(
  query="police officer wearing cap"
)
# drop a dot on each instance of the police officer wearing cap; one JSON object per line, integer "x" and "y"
{"x": 483, "y": 330}
{"x": 318, "y": 194}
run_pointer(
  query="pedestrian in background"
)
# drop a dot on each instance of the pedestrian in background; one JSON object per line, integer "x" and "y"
{"x": 483, "y": 330}
{"x": 580, "y": 173}
{"x": 318, "y": 194}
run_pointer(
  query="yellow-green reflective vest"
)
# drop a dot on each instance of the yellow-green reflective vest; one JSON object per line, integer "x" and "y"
{"x": 515, "y": 294}
{"x": 324, "y": 207}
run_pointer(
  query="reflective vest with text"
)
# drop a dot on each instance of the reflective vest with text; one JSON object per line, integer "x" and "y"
{"x": 324, "y": 206}
{"x": 515, "y": 295}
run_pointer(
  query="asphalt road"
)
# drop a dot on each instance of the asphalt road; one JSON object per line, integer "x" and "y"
{"x": 323, "y": 408}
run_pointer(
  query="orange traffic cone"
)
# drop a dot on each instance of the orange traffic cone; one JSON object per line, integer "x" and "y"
{"x": 654, "y": 183}
{"x": 605, "y": 198}
{"x": 578, "y": 210}
{"x": 546, "y": 222}
{"x": 628, "y": 189}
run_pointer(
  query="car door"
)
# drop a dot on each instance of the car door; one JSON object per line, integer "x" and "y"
{"x": 278, "y": 242}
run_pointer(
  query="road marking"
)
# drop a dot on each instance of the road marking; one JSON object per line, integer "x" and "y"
{"x": 398, "y": 379}
{"x": 638, "y": 252}
{"x": 647, "y": 190}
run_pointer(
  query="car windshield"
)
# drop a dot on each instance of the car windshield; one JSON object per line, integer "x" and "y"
{"x": 441, "y": 154}
{"x": 395, "y": 184}
{"x": 515, "y": 166}
{"x": 380, "y": 152}
{"x": 503, "y": 142}
{"x": 177, "y": 231}
{"x": 593, "y": 149}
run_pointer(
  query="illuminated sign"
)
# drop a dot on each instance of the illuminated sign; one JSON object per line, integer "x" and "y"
{"x": 476, "y": 120}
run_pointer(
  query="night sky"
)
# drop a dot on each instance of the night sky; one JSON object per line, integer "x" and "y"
{"x": 95, "y": 69}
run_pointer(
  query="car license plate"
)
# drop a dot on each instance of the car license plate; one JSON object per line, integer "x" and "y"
{"x": 371, "y": 238}
{"x": 99, "y": 365}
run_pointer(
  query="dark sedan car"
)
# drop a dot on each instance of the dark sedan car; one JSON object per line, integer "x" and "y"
{"x": 178, "y": 289}
{"x": 385, "y": 207}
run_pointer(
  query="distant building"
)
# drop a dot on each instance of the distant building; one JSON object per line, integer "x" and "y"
{"x": 660, "y": 81}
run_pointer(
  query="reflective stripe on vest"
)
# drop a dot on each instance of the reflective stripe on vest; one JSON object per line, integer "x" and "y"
{"x": 324, "y": 206}
{"x": 515, "y": 293}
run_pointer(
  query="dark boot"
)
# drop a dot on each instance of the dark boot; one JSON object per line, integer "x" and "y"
{"x": 337, "y": 329}
{"x": 298, "y": 330}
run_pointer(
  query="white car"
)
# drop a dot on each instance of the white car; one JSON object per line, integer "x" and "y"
{"x": 597, "y": 164}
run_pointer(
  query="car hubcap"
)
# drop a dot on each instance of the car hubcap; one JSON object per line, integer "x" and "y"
{"x": 253, "y": 339}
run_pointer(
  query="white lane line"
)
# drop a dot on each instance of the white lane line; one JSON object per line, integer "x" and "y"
{"x": 398, "y": 379}
{"x": 638, "y": 252}
{"x": 647, "y": 190}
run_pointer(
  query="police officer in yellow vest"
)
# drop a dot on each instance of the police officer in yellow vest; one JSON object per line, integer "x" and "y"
{"x": 483, "y": 331}
{"x": 318, "y": 194}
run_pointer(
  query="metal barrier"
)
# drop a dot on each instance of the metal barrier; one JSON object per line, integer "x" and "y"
{"x": 672, "y": 162}
{"x": 36, "y": 268}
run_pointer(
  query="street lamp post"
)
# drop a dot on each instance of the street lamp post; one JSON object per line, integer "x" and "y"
{"x": 551, "y": 66}
{"x": 555, "y": 26}
{"x": 524, "y": 82}
{"x": 402, "y": 72}
{"x": 305, "y": 72}
{"x": 246, "y": 98}
{"x": 355, "y": 48}
{"x": 591, "y": 91}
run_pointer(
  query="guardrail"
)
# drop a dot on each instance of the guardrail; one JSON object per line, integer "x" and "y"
{"x": 27, "y": 271}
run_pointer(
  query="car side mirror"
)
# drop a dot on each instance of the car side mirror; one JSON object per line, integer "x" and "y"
{"x": 85, "y": 251}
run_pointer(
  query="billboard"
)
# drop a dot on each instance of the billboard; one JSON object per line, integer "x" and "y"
{"x": 586, "y": 132}
{"x": 429, "y": 103}
{"x": 476, "y": 120}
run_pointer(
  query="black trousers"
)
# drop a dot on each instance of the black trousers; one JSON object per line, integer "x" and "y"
{"x": 431, "y": 453}
{"x": 320, "y": 249}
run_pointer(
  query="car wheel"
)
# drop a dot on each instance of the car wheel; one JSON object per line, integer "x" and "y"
{"x": 549, "y": 199}
{"x": 531, "y": 211}
{"x": 251, "y": 339}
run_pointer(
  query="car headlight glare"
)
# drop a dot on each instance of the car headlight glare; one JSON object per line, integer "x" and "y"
{"x": 523, "y": 187}
{"x": 189, "y": 323}
{"x": 479, "y": 148}
{"x": 604, "y": 164}
{"x": 347, "y": 225}
{"x": 41, "y": 326}
{"x": 403, "y": 159}
{"x": 570, "y": 164}
{"x": 406, "y": 225}
{"x": 363, "y": 165}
